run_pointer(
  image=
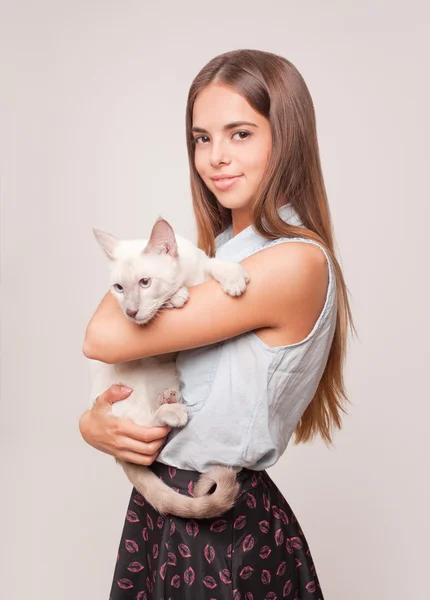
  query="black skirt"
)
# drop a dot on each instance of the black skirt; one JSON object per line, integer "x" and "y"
{"x": 255, "y": 551}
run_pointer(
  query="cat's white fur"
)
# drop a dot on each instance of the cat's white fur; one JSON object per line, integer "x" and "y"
{"x": 154, "y": 274}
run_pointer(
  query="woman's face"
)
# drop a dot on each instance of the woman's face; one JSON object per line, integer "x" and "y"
{"x": 241, "y": 150}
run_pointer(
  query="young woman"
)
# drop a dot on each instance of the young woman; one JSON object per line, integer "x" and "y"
{"x": 254, "y": 369}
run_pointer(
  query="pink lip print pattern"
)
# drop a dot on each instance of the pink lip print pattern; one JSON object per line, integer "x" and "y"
{"x": 255, "y": 551}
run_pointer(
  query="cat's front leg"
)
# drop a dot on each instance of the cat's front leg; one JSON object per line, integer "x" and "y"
{"x": 231, "y": 275}
{"x": 178, "y": 299}
{"x": 174, "y": 415}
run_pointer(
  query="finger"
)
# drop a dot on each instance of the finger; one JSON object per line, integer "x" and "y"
{"x": 114, "y": 393}
{"x": 126, "y": 444}
{"x": 127, "y": 427}
{"x": 138, "y": 459}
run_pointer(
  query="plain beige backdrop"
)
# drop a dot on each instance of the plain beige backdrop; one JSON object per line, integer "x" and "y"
{"x": 92, "y": 133}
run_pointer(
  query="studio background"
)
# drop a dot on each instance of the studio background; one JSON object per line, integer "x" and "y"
{"x": 92, "y": 134}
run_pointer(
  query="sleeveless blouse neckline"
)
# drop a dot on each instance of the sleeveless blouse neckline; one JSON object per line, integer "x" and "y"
{"x": 235, "y": 247}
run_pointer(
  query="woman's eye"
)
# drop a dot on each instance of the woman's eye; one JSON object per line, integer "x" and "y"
{"x": 145, "y": 282}
{"x": 118, "y": 288}
{"x": 240, "y": 133}
{"x": 247, "y": 133}
{"x": 199, "y": 137}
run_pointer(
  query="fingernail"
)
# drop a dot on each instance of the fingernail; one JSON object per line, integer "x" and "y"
{"x": 125, "y": 388}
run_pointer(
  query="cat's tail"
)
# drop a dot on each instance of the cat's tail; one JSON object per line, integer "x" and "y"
{"x": 167, "y": 501}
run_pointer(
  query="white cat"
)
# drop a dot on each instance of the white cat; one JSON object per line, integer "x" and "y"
{"x": 145, "y": 276}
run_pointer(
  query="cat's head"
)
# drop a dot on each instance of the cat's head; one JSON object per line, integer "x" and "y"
{"x": 144, "y": 274}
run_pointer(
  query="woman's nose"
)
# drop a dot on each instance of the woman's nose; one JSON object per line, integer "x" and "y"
{"x": 218, "y": 155}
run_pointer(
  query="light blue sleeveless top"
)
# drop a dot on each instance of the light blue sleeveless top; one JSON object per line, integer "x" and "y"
{"x": 244, "y": 397}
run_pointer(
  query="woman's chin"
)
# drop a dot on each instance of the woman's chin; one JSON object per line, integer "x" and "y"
{"x": 233, "y": 203}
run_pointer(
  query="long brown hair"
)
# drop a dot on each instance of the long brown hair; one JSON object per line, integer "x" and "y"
{"x": 275, "y": 89}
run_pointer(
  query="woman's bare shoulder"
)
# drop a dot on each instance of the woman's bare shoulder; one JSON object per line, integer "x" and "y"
{"x": 296, "y": 276}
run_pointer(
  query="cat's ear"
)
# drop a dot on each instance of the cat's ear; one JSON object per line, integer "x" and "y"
{"x": 162, "y": 239}
{"x": 107, "y": 242}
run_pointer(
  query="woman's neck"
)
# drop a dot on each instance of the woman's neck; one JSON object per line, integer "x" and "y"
{"x": 240, "y": 219}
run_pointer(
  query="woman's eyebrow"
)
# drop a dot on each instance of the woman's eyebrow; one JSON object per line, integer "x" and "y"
{"x": 226, "y": 127}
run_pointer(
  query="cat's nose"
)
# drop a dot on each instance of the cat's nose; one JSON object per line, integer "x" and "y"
{"x": 131, "y": 313}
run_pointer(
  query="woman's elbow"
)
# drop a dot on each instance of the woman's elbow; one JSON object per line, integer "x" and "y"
{"x": 93, "y": 348}
{"x": 87, "y": 348}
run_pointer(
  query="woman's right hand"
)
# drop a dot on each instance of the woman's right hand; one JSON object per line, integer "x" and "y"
{"x": 120, "y": 437}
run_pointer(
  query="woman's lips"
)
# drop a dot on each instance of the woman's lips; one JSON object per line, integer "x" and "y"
{"x": 225, "y": 184}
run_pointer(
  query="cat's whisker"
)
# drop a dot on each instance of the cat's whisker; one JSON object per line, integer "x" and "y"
{"x": 159, "y": 303}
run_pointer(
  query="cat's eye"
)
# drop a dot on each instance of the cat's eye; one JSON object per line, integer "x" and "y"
{"x": 118, "y": 287}
{"x": 145, "y": 282}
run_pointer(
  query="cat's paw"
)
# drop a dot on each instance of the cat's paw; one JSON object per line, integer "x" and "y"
{"x": 174, "y": 415}
{"x": 233, "y": 279}
{"x": 178, "y": 299}
{"x": 169, "y": 396}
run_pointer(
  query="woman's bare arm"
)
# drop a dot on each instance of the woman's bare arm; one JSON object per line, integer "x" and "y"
{"x": 287, "y": 289}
